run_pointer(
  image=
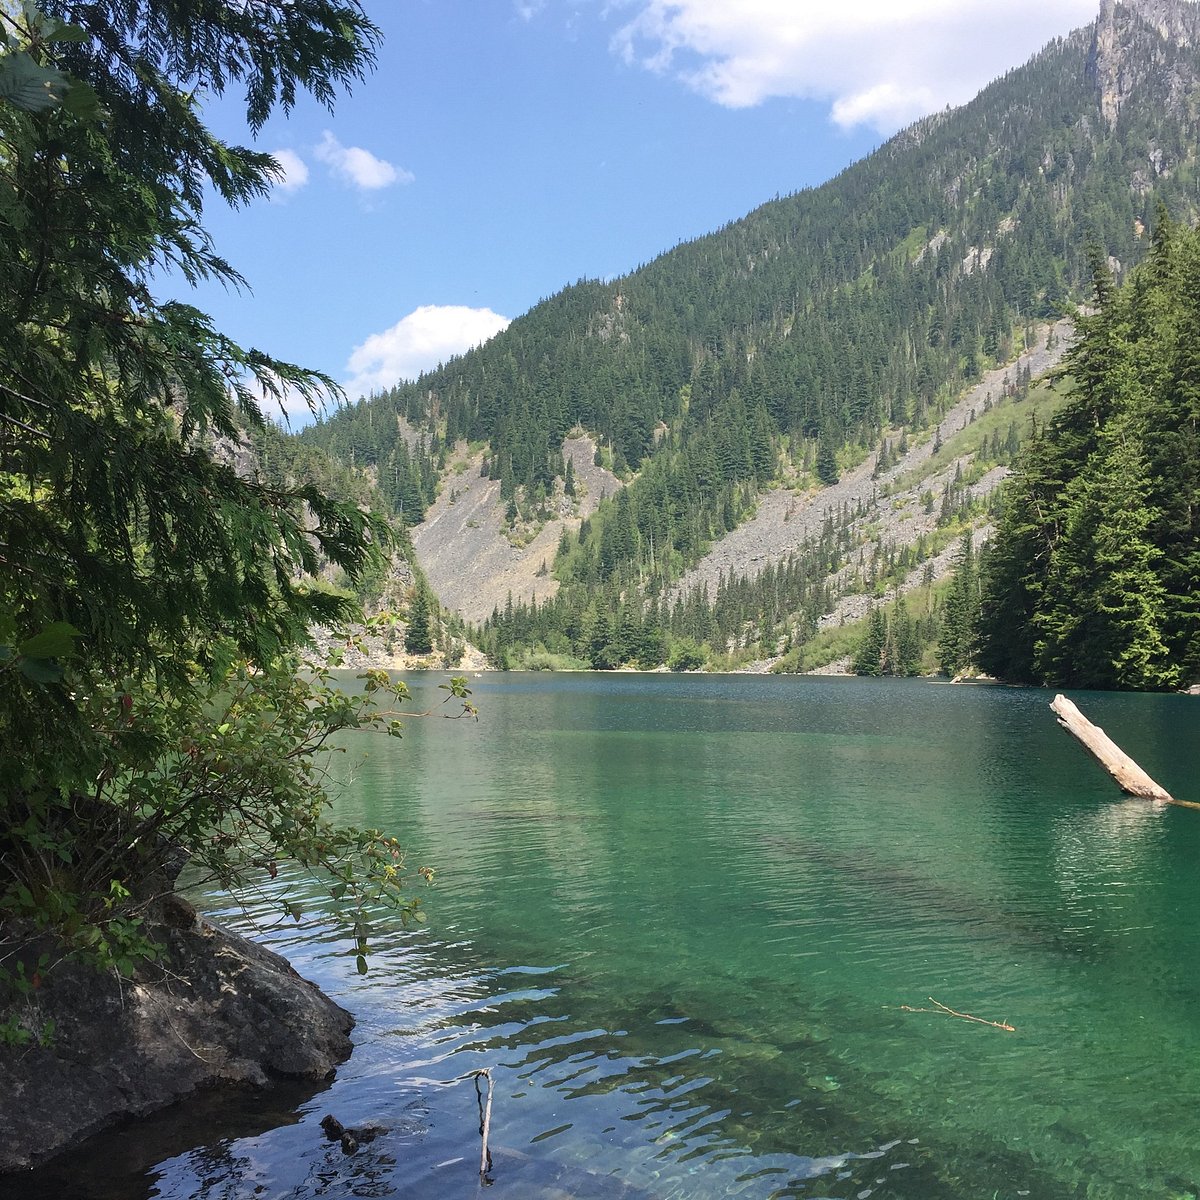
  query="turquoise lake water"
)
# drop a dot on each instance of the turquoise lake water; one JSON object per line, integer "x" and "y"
{"x": 678, "y": 917}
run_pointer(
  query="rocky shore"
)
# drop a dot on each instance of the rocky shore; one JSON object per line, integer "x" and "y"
{"x": 219, "y": 1010}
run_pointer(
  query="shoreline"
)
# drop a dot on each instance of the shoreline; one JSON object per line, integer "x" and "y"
{"x": 222, "y": 1011}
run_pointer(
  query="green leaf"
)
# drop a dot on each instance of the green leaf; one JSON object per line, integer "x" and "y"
{"x": 41, "y": 670}
{"x": 361, "y": 963}
{"x": 55, "y": 641}
{"x": 28, "y": 86}
{"x": 81, "y": 100}
{"x": 70, "y": 34}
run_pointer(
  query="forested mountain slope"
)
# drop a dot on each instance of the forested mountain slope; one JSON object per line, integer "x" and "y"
{"x": 787, "y": 346}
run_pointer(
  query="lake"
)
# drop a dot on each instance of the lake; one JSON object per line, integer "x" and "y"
{"x": 680, "y": 918}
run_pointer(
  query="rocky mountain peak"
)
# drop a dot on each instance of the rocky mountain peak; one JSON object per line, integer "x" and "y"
{"x": 1134, "y": 39}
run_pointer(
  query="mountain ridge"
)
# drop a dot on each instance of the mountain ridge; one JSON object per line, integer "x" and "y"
{"x": 796, "y": 341}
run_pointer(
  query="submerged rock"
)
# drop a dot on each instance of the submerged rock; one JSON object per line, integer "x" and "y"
{"x": 351, "y": 1139}
{"x": 219, "y": 1010}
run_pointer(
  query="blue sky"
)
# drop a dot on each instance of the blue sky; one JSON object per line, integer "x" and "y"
{"x": 505, "y": 148}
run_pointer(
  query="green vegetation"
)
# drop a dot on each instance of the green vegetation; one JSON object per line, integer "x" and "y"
{"x": 153, "y": 599}
{"x": 898, "y": 637}
{"x": 832, "y": 644}
{"x": 995, "y": 435}
{"x": 957, "y": 639}
{"x": 419, "y": 636}
{"x": 1093, "y": 577}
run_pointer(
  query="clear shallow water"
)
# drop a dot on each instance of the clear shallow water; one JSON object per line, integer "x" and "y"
{"x": 679, "y": 917}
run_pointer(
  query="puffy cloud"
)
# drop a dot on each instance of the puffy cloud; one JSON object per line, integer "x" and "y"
{"x": 881, "y": 63}
{"x": 293, "y": 171}
{"x": 358, "y": 166}
{"x": 418, "y": 342}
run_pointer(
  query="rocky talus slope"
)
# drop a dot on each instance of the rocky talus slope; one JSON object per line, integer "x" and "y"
{"x": 464, "y": 547}
{"x": 890, "y": 502}
{"x": 474, "y": 564}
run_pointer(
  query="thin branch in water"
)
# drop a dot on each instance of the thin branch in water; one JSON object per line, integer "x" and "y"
{"x": 944, "y": 1010}
{"x": 485, "y": 1124}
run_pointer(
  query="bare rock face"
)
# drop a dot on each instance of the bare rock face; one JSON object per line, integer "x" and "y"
{"x": 221, "y": 1010}
{"x": 1122, "y": 54}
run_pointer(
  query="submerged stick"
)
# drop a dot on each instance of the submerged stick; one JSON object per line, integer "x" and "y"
{"x": 1130, "y": 778}
{"x": 950, "y": 1012}
{"x": 485, "y": 1124}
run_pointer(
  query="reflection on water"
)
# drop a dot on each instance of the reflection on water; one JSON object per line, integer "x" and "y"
{"x": 678, "y": 918}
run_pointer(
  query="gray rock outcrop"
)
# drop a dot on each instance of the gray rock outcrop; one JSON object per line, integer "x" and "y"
{"x": 220, "y": 1010}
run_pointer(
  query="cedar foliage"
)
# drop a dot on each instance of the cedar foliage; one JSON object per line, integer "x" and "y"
{"x": 154, "y": 600}
{"x": 116, "y": 519}
{"x": 1093, "y": 578}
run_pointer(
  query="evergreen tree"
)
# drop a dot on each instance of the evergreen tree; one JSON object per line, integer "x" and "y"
{"x": 960, "y": 614}
{"x": 153, "y": 600}
{"x": 1102, "y": 621}
{"x": 1091, "y": 579}
{"x": 418, "y": 634}
{"x": 871, "y": 654}
{"x": 902, "y": 645}
{"x": 827, "y": 468}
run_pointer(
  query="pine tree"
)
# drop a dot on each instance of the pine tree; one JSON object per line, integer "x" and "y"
{"x": 902, "y": 656}
{"x": 960, "y": 614}
{"x": 827, "y": 468}
{"x": 871, "y": 653}
{"x": 1092, "y": 577}
{"x": 418, "y": 635}
{"x": 1102, "y": 621}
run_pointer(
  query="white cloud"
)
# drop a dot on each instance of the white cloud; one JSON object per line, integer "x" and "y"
{"x": 293, "y": 171}
{"x": 358, "y": 166}
{"x": 881, "y": 63}
{"x": 418, "y": 342}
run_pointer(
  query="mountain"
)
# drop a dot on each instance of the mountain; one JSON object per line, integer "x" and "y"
{"x": 824, "y": 336}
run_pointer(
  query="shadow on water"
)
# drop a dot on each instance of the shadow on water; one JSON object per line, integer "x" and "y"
{"x": 912, "y": 894}
{"x": 119, "y": 1164}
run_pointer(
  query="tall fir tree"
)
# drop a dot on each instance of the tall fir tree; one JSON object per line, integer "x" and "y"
{"x": 418, "y": 635}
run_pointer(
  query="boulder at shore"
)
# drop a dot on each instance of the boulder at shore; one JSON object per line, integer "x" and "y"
{"x": 221, "y": 1009}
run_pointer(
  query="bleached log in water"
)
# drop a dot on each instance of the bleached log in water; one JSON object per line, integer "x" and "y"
{"x": 1128, "y": 775}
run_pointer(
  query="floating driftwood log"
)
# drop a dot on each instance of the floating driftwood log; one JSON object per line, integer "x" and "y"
{"x": 1130, "y": 778}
